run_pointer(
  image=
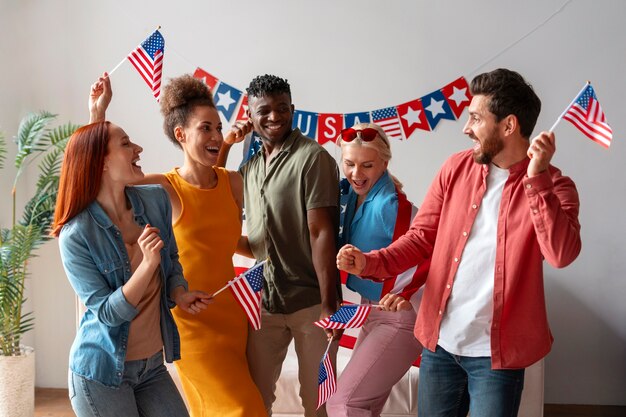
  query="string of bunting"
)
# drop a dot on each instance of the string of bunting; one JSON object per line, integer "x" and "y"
{"x": 399, "y": 122}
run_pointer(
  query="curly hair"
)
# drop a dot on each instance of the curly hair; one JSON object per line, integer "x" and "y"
{"x": 509, "y": 93}
{"x": 179, "y": 98}
{"x": 264, "y": 85}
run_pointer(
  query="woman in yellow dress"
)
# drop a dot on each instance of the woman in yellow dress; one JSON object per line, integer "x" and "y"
{"x": 206, "y": 215}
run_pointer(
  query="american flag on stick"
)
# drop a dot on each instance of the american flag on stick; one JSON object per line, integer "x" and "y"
{"x": 327, "y": 381}
{"x": 147, "y": 58}
{"x": 347, "y": 317}
{"x": 587, "y": 116}
{"x": 247, "y": 289}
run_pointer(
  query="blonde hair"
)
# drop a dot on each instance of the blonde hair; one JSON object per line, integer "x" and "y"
{"x": 380, "y": 144}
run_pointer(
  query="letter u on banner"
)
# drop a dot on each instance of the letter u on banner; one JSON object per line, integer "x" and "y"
{"x": 306, "y": 121}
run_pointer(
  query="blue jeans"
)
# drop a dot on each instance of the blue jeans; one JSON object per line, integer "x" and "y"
{"x": 450, "y": 385}
{"x": 147, "y": 390}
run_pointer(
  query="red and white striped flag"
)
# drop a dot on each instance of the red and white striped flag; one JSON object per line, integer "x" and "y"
{"x": 247, "y": 289}
{"x": 147, "y": 58}
{"x": 347, "y": 317}
{"x": 586, "y": 114}
{"x": 327, "y": 382}
{"x": 387, "y": 119}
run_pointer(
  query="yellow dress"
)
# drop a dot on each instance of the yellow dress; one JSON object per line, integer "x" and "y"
{"x": 213, "y": 368}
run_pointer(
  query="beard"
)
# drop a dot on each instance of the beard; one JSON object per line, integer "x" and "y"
{"x": 489, "y": 148}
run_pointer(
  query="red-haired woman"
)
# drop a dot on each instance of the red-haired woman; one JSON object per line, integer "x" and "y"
{"x": 120, "y": 256}
{"x": 206, "y": 209}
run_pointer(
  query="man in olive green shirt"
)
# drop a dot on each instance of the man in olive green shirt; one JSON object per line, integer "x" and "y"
{"x": 291, "y": 195}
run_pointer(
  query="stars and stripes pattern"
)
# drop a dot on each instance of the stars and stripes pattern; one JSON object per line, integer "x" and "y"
{"x": 347, "y": 317}
{"x": 247, "y": 289}
{"x": 327, "y": 382}
{"x": 387, "y": 118}
{"x": 586, "y": 114}
{"x": 147, "y": 58}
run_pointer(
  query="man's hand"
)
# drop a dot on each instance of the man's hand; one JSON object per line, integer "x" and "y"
{"x": 331, "y": 334}
{"x": 540, "y": 152}
{"x": 351, "y": 260}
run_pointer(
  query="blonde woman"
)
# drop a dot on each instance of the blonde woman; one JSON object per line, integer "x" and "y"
{"x": 377, "y": 211}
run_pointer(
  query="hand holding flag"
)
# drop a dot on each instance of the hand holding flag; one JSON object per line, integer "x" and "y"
{"x": 585, "y": 113}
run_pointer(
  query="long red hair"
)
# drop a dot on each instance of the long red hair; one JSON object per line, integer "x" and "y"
{"x": 81, "y": 172}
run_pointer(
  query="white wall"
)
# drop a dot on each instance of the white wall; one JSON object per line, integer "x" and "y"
{"x": 342, "y": 57}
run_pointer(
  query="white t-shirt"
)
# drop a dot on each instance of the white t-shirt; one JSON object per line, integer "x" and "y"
{"x": 466, "y": 326}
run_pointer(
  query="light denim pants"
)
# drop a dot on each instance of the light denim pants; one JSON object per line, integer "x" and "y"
{"x": 147, "y": 390}
{"x": 451, "y": 384}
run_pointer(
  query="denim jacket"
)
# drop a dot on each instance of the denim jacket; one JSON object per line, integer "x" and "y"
{"x": 97, "y": 265}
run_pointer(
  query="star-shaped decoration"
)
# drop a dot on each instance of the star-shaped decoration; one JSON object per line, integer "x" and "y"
{"x": 459, "y": 95}
{"x": 343, "y": 208}
{"x": 412, "y": 116}
{"x": 225, "y": 100}
{"x": 435, "y": 107}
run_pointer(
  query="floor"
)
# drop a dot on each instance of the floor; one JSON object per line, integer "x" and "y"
{"x": 53, "y": 402}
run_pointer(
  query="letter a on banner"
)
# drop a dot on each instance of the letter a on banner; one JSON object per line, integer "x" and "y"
{"x": 353, "y": 118}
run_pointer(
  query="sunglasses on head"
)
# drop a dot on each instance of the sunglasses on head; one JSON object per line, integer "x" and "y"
{"x": 367, "y": 135}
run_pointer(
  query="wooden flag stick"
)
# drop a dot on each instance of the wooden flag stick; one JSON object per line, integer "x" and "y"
{"x": 231, "y": 282}
{"x": 327, "y": 349}
{"x": 570, "y": 105}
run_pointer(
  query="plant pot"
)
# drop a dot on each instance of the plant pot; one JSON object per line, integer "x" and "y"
{"x": 17, "y": 384}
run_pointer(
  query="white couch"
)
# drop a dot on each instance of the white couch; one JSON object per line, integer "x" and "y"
{"x": 403, "y": 399}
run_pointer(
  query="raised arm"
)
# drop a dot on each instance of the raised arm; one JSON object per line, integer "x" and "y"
{"x": 236, "y": 134}
{"x": 322, "y": 235}
{"x": 100, "y": 98}
{"x": 554, "y": 204}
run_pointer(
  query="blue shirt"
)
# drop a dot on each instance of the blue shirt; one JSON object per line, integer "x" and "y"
{"x": 97, "y": 265}
{"x": 369, "y": 227}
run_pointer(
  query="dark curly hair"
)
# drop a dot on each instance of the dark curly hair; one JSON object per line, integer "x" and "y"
{"x": 509, "y": 93}
{"x": 264, "y": 85}
{"x": 179, "y": 98}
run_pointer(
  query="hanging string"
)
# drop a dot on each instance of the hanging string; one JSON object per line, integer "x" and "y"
{"x": 536, "y": 28}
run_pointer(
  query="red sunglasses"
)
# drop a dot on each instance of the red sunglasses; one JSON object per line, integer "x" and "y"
{"x": 367, "y": 135}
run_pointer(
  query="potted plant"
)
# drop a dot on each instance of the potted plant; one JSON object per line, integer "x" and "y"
{"x": 36, "y": 142}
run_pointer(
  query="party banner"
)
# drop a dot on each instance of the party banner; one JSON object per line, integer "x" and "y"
{"x": 399, "y": 121}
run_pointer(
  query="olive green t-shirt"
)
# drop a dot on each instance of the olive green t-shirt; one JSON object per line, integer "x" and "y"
{"x": 303, "y": 176}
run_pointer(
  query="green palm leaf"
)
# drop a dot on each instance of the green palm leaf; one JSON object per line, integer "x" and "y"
{"x": 19, "y": 243}
{"x": 30, "y": 134}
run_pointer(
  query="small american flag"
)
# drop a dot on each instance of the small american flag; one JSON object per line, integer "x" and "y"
{"x": 347, "y": 317}
{"x": 148, "y": 60}
{"x": 586, "y": 114}
{"x": 326, "y": 382}
{"x": 247, "y": 289}
{"x": 387, "y": 118}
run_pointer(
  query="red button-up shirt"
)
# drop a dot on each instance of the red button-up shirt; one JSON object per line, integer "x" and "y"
{"x": 537, "y": 219}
